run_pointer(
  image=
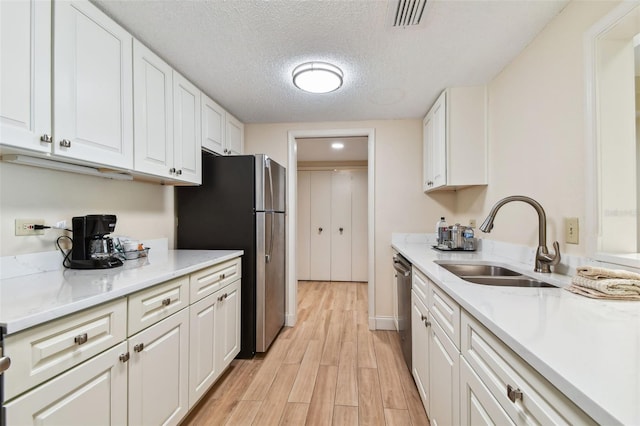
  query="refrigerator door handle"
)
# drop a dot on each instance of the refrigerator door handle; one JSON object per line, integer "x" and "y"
{"x": 268, "y": 166}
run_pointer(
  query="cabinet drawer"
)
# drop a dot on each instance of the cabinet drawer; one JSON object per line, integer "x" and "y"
{"x": 153, "y": 304}
{"x": 42, "y": 352}
{"x": 93, "y": 392}
{"x": 210, "y": 280}
{"x": 500, "y": 369}
{"x": 420, "y": 284}
{"x": 446, "y": 312}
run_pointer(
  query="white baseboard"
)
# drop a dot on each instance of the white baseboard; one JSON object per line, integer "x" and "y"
{"x": 385, "y": 323}
{"x": 290, "y": 320}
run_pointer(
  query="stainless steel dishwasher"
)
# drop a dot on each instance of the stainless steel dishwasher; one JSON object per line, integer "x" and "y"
{"x": 403, "y": 288}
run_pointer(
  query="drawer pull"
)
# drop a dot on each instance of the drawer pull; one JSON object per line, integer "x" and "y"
{"x": 427, "y": 323}
{"x": 514, "y": 394}
{"x": 5, "y": 363}
{"x": 166, "y": 302}
{"x": 139, "y": 347}
{"x": 81, "y": 339}
{"x": 222, "y": 276}
{"x": 124, "y": 357}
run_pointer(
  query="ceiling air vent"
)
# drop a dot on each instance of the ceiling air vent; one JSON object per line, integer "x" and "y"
{"x": 406, "y": 13}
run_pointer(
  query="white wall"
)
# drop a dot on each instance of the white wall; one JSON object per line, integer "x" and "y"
{"x": 537, "y": 134}
{"x": 144, "y": 210}
{"x": 400, "y": 204}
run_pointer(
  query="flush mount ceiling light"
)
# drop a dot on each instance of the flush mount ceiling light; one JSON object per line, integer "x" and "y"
{"x": 337, "y": 145}
{"x": 317, "y": 77}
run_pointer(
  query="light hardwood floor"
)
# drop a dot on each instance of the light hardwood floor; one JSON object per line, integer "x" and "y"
{"x": 327, "y": 370}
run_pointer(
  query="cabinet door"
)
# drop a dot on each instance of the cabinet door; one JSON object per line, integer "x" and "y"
{"x": 477, "y": 404}
{"x": 203, "y": 347}
{"x": 94, "y": 392}
{"x": 213, "y": 124}
{"x": 187, "y": 139}
{"x": 427, "y": 152}
{"x": 25, "y": 74}
{"x": 228, "y": 323}
{"x": 320, "y": 248}
{"x": 439, "y": 145}
{"x": 359, "y": 225}
{"x": 341, "y": 226}
{"x": 159, "y": 372}
{"x": 420, "y": 349}
{"x": 444, "y": 385}
{"x": 153, "y": 112}
{"x": 234, "y": 136}
{"x": 93, "y": 100}
{"x": 303, "y": 245}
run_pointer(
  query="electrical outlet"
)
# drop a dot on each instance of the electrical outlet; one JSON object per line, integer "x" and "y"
{"x": 25, "y": 227}
{"x": 472, "y": 223}
{"x": 571, "y": 230}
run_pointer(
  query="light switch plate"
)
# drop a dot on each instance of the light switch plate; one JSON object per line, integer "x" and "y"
{"x": 571, "y": 230}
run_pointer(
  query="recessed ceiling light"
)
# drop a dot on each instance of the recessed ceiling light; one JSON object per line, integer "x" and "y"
{"x": 337, "y": 145}
{"x": 317, "y": 77}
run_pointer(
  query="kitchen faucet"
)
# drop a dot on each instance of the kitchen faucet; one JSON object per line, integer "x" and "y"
{"x": 544, "y": 260}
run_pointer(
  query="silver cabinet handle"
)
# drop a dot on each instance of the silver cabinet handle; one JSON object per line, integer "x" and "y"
{"x": 514, "y": 394}
{"x": 166, "y": 302}
{"x": 124, "y": 357}
{"x": 172, "y": 170}
{"x": 139, "y": 347}
{"x": 341, "y": 229}
{"x": 66, "y": 143}
{"x": 319, "y": 230}
{"x": 5, "y": 363}
{"x": 179, "y": 172}
{"x": 45, "y": 138}
{"x": 81, "y": 339}
{"x": 222, "y": 276}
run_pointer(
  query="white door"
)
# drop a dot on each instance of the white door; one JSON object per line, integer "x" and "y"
{"x": 213, "y": 124}
{"x": 93, "y": 100}
{"x": 444, "y": 385}
{"x": 159, "y": 372}
{"x": 95, "y": 392}
{"x": 153, "y": 112}
{"x": 187, "y": 130}
{"x": 234, "y": 136}
{"x": 228, "y": 323}
{"x": 25, "y": 74}
{"x": 203, "y": 342}
{"x": 303, "y": 245}
{"x": 320, "y": 218}
{"x": 359, "y": 225}
{"x": 420, "y": 349}
{"x": 341, "y": 226}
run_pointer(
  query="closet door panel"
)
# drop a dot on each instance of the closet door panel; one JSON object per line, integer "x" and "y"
{"x": 341, "y": 226}
{"x": 320, "y": 241}
{"x": 304, "y": 225}
{"x": 359, "y": 225}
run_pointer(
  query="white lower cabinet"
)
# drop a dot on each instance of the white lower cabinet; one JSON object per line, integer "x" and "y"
{"x": 420, "y": 348}
{"x": 95, "y": 392}
{"x": 444, "y": 361}
{"x": 158, "y": 372}
{"x": 477, "y": 404}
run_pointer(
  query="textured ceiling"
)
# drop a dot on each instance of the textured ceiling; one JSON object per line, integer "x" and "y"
{"x": 242, "y": 53}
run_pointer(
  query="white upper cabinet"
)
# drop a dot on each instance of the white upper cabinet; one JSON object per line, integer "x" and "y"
{"x": 93, "y": 100}
{"x": 25, "y": 74}
{"x": 455, "y": 140}
{"x": 234, "y": 136}
{"x": 187, "y": 135}
{"x": 213, "y": 126}
{"x": 153, "y": 112}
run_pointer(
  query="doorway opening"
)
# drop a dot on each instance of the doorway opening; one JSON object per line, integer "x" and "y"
{"x": 366, "y": 173}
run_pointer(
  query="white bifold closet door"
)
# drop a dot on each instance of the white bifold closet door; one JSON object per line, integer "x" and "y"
{"x": 332, "y": 225}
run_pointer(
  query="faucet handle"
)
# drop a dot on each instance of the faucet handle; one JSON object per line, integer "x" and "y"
{"x": 548, "y": 258}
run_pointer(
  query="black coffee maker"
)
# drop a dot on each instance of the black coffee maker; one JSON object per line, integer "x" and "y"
{"x": 92, "y": 248}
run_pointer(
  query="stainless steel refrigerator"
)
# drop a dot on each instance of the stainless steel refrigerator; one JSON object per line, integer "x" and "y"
{"x": 241, "y": 205}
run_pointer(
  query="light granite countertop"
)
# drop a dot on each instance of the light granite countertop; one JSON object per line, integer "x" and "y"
{"x": 30, "y": 299}
{"x": 589, "y": 349}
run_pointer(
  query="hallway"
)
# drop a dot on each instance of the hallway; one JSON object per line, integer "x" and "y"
{"x": 328, "y": 369}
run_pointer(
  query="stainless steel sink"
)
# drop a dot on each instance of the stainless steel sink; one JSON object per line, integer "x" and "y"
{"x": 492, "y": 275}
{"x": 464, "y": 270}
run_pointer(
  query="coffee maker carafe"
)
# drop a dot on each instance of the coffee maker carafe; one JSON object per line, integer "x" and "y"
{"x": 92, "y": 248}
